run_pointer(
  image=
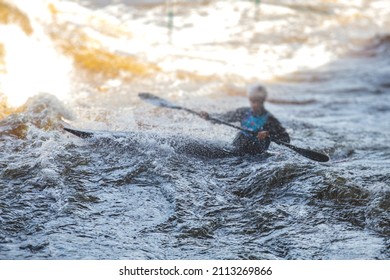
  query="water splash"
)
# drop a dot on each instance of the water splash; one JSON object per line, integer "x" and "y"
{"x": 137, "y": 196}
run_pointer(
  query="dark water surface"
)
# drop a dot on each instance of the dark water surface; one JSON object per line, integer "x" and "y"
{"x": 137, "y": 197}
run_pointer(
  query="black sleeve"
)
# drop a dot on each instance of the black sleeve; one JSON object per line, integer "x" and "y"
{"x": 232, "y": 116}
{"x": 276, "y": 129}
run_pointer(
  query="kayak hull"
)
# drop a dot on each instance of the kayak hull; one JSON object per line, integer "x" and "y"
{"x": 181, "y": 145}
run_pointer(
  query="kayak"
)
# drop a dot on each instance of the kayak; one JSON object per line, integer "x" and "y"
{"x": 180, "y": 144}
{"x": 209, "y": 149}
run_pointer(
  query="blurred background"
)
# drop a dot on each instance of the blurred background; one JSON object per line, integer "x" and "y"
{"x": 325, "y": 63}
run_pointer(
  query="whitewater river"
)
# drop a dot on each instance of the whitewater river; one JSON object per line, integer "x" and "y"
{"x": 326, "y": 65}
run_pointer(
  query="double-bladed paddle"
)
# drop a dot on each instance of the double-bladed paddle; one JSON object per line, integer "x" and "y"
{"x": 158, "y": 101}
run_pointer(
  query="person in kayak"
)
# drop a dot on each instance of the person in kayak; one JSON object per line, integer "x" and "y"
{"x": 255, "y": 118}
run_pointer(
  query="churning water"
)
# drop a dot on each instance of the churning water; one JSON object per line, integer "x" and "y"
{"x": 325, "y": 63}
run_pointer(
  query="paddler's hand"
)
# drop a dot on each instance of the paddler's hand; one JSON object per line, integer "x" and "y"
{"x": 204, "y": 115}
{"x": 262, "y": 135}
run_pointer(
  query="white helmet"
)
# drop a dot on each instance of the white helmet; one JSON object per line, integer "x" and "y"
{"x": 257, "y": 91}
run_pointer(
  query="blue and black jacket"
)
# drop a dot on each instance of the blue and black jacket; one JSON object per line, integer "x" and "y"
{"x": 246, "y": 143}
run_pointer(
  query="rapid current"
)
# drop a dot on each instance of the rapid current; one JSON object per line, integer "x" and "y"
{"x": 326, "y": 65}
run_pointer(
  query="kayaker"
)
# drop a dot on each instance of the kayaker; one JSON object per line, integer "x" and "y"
{"x": 255, "y": 118}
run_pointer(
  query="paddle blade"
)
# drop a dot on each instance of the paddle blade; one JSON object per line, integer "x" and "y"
{"x": 313, "y": 155}
{"x": 157, "y": 101}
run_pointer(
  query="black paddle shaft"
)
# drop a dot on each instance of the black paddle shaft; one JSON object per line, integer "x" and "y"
{"x": 157, "y": 101}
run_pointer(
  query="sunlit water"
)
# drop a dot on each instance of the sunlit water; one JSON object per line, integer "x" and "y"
{"x": 326, "y": 65}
